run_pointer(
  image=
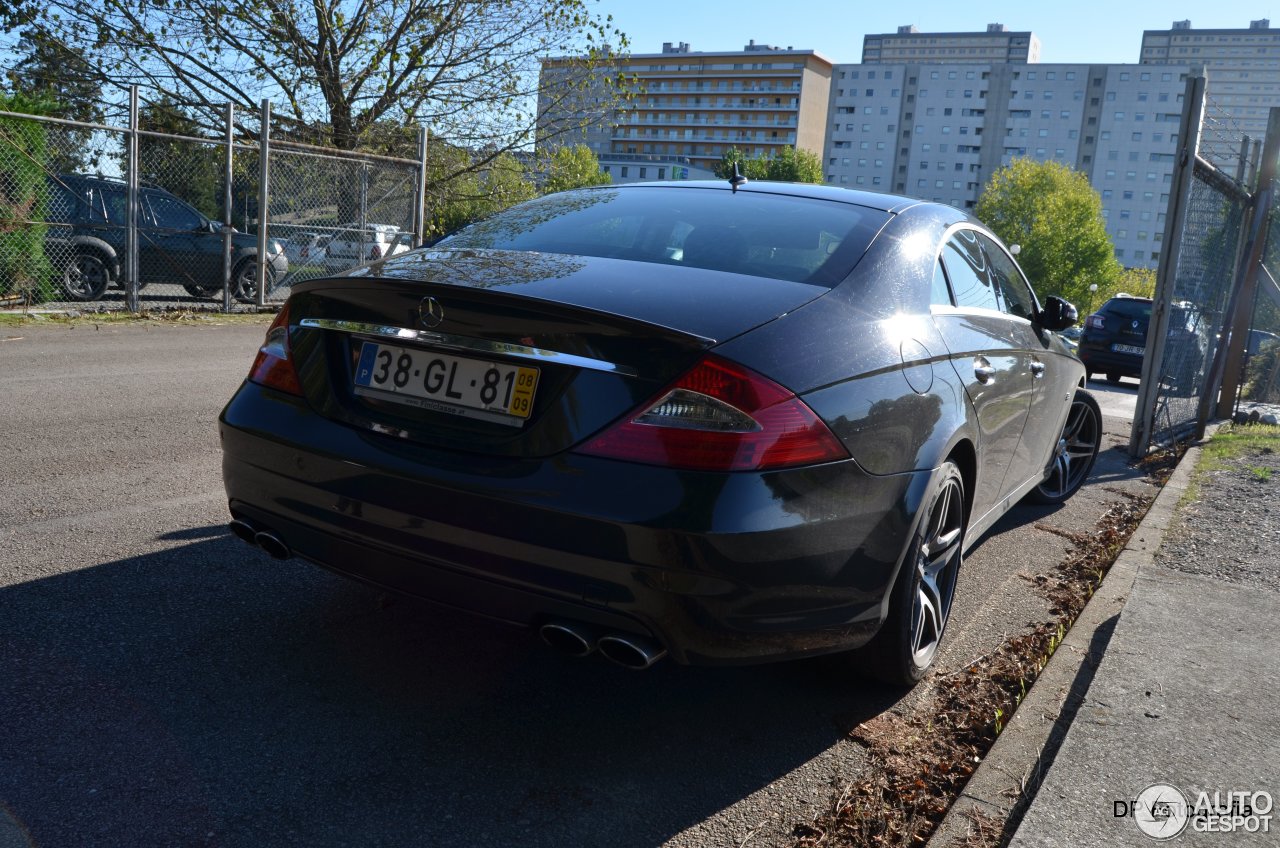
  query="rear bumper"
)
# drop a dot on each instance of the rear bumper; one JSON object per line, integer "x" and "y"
{"x": 719, "y": 568}
{"x": 1101, "y": 359}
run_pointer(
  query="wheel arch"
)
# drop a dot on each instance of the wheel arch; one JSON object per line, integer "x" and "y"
{"x": 103, "y": 248}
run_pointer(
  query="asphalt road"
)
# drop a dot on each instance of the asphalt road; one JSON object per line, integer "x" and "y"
{"x": 163, "y": 684}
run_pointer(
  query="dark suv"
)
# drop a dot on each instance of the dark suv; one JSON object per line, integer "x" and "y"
{"x": 176, "y": 244}
{"x": 1114, "y": 340}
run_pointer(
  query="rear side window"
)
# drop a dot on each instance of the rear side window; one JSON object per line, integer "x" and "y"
{"x": 765, "y": 235}
{"x": 116, "y": 202}
{"x": 940, "y": 294}
{"x": 967, "y": 269}
{"x": 1014, "y": 295}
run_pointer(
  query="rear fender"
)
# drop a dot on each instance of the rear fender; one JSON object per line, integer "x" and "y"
{"x": 102, "y": 248}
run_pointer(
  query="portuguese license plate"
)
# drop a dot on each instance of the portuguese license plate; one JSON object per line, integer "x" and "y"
{"x": 441, "y": 382}
{"x": 1124, "y": 348}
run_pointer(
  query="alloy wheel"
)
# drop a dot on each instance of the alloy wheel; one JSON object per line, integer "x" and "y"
{"x": 86, "y": 278}
{"x": 1075, "y": 452}
{"x": 937, "y": 565}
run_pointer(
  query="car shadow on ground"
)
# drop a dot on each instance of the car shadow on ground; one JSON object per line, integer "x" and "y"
{"x": 205, "y": 694}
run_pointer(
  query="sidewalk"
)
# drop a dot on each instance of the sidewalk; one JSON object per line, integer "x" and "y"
{"x": 1172, "y": 677}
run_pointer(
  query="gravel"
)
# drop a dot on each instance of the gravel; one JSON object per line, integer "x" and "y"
{"x": 1235, "y": 512}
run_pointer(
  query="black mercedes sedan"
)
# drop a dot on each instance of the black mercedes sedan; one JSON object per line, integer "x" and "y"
{"x": 728, "y": 423}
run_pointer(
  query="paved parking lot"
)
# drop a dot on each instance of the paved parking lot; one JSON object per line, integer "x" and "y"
{"x": 162, "y": 683}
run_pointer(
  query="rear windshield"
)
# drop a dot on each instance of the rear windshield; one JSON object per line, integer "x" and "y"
{"x": 1130, "y": 308}
{"x": 764, "y": 235}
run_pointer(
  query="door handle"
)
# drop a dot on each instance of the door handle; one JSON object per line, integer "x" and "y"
{"x": 983, "y": 370}
{"x": 1037, "y": 368}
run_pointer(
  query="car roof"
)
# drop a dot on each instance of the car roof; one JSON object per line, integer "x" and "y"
{"x": 873, "y": 200}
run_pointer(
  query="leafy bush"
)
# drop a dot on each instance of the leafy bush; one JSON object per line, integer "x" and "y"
{"x": 24, "y": 268}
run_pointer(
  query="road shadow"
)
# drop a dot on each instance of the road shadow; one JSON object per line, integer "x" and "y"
{"x": 207, "y": 695}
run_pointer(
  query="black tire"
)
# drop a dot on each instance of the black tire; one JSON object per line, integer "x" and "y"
{"x": 920, "y": 605}
{"x": 244, "y": 280}
{"x": 1113, "y": 378}
{"x": 202, "y": 291}
{"x": 1077, "y": 450}
{"x": 87, "y": 277}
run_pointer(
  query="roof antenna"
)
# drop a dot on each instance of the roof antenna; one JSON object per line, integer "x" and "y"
{"x": 737, "y": 179}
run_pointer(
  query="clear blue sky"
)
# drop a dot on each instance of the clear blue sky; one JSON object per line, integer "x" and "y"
{"x": 1082, "y": 31}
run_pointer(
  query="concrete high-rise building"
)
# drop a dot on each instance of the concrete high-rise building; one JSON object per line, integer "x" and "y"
{"x": 693, "y": 106}
{"x": 1242, "y": 65}
{"x": 908, "y": 44}
{"x": 938, "y": 131}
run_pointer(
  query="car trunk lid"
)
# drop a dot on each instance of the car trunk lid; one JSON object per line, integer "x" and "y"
{"x": 588, "y": 338}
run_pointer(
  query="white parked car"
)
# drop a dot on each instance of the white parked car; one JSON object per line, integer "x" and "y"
{"x": 305, "y": 248}
{"x": 352, "y": 245}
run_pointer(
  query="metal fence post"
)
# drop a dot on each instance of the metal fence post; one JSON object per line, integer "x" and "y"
{"x": 363, "y": 225}
{"x": 420, "y": 201}
{"x": 132, "y": 300}
{"x": 228, "y": 178}
{"x": 264, "y": 197}
{"x": 1230, "y": 356}
{"x": 1167, "y": 270}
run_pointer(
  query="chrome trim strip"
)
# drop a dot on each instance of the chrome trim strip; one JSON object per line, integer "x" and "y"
{"x": 466, "y": 343}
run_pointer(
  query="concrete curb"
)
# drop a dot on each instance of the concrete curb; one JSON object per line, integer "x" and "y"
{"x": 1013, "y": 769}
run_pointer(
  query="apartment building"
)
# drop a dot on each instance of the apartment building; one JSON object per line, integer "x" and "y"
{"x": 908, "y": 44}
{"x": 1243, "y": 68}
{"x": 692, "y": 107}
{"x": 938, "y": 131}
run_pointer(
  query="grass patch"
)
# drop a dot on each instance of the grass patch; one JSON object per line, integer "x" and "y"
{"x": 170, "y": 316}
{"x": 1236, "y": 440}
{"x": 1228, "y": 445}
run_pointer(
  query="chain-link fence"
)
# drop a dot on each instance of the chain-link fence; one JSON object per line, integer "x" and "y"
{"x": 202, "y": 229}
{"x": 1198, "y": 272}
{"x": 332, "y": 213}
{"x": 1260, "y": 370}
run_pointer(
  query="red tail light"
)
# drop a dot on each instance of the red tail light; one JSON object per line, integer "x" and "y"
{"x": 375, "y": 252}
{"x": 721, "y": 416}
{"x": 1094, "y": 322}
{"x": 272, "y": 368}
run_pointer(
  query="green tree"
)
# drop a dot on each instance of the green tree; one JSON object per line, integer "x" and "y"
{"x": 458, "y": 195}
{"x": 61, "y": 79}
{"x": 192, "y": 171}
{"x": 1139, "y": 282}
{"x": 468, "y": 69}
{"x": 24, "y": 197}
{"x": 789, "y": 165}
{"x": 1056, "y": 216}
{"x": 573, "y": 167}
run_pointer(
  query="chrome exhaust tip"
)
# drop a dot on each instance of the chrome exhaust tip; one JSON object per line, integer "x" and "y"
{"x": 271, "y": 543}
{"x": 243, "y": 530}
{"x": 633, "y": 652}
{"x": 568, "y": 638}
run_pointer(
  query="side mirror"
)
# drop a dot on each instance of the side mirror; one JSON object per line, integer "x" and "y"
{"x": 1057, "y": 314}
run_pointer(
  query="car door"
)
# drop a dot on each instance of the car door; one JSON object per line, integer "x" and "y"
{"x": 168, "y": 243}
{"x": 989, "y": 360}
{"x": 1052, "y": 381}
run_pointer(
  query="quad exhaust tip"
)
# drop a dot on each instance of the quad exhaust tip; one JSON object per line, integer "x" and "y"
{"x": 243, "y": 530}
{"x": 580, "y": 640}
{"x": 571, "y": 639}
{"x": 633, "y": 652}
{"x": 271, "y": 543}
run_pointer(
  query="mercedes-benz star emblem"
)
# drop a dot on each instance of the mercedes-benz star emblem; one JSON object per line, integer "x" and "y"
{"x": 430, "y": 312}
{"x": 1135, "y": 323}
